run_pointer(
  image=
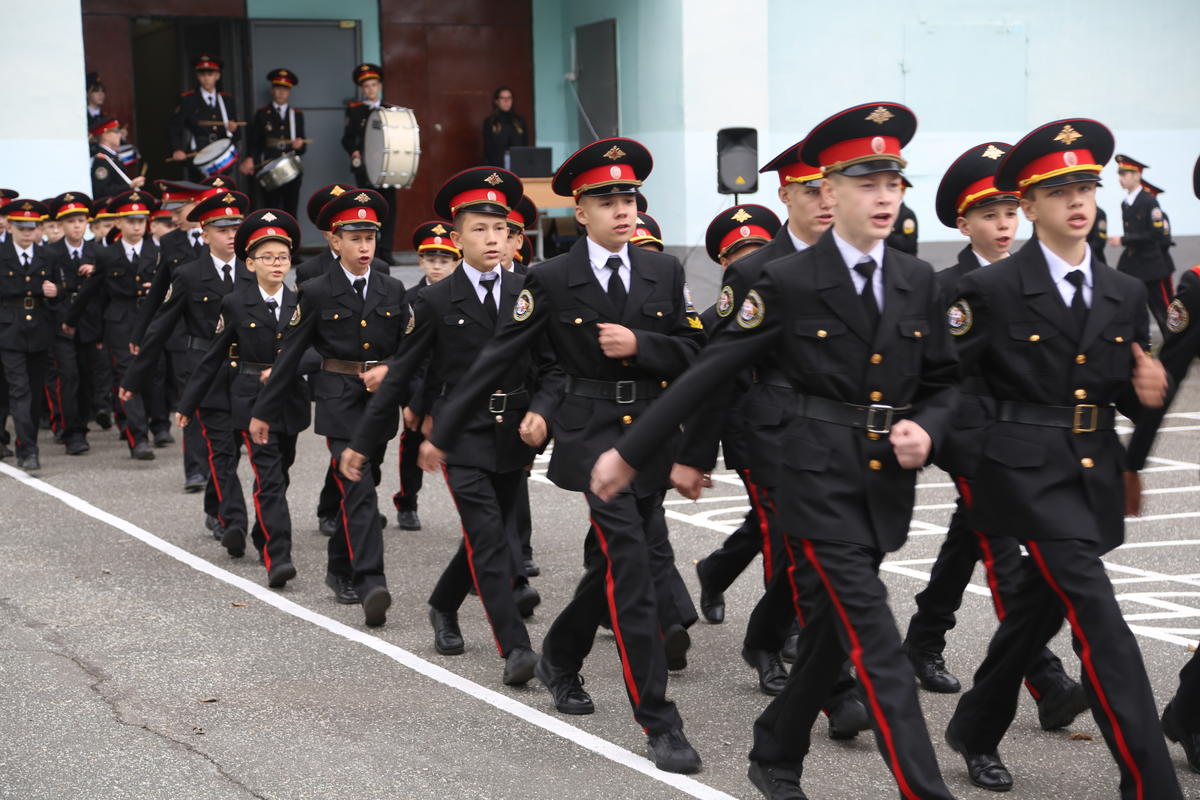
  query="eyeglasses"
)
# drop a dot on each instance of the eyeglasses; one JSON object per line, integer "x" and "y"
{"x": 271, "y": 261}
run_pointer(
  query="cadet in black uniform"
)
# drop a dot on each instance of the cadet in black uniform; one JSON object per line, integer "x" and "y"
{"x": 123, "y": 276}
{"x": 648, "y": 234}
{"x": 30, "y": 288}
{"x": 619, "y": 322}
{"x": 1143, "y": 236}
{"x": 1097, "y": 237}
{"x": 968, "y": 201}
{"x": 354, "y": 318}
{"x": 1167, "y": 241}
{"x": 1057, "y": 340}
{"x": 203, "y": 115}
{"x": 369, "y": 78}
{"x": 522, "y": 217}
{"x": 276, "y": 130}
{"x": 904, "y": 236}
{"x": 228, "y": 379}
{"x": 853, "y": 324}
{"x": 109, "y": 175}
{"x": 449, "y": 324}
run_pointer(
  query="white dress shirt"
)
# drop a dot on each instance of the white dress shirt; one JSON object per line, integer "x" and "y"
{"x": 24, "y": 256}
{"x": 474, "y": 276}
{"x": 277, "y": 297}
{"x": 1131, "y": 196}
{"x": 598, "y": 257}
{"x": 219, "y": 265}
{"x": 797, "y": 243}
{"x": 133, "y": 252}
{"x": 209, "y": 98}
{"x": 983, "y": 262}
{"x": 853, "y": 256}
{"x": 350, "y": 276}
{"x": 1058, "y": 273}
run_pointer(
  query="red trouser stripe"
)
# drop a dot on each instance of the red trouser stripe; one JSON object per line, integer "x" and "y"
{"x": 400, "y": 460}
{"x": 342, "y": 490}
{"x": 212, "y": 466}
{"x": 258, "y": 515}
{"x": 471, "y": 560}
{"x": 763, "y": 530}
{"x": 985, "y": 549}
{"x": 62, "y": 417}
{"x": 1089, "y": 666}
{"x": 610, "y": 592}
{"x": 791, "y": 569}
{"x": 1165, "y": 285}
{"x": 860, "y": 667}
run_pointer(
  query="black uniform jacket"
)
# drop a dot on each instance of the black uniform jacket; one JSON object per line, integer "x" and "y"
{"x": 186, "y": 130}
{"x": 175, "y": 248}
{"x": 1145, "y": 232}
{"x": 120, "y": 287}
{"x": 28, "y": 318}
{"x": 91, "y": 324}
{"x": 1016, "y": 335}
{"x": 227, "y": 377}
{"x": 106, "y": 180}
{"x": 270, "y": 135}
{"x": 326, "y": 261}
{"x": 806, "y": 319}
{"x": 332, "y": 319}
{"x": 354, "y": 135}
{"x": 563, "y": 301}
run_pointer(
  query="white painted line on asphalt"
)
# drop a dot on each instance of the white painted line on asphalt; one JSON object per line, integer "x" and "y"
{"x": 588, "y": 741}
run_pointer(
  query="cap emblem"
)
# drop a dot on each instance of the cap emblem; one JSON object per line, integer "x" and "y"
{"x": 269, "y": 217}
{"x": 1068, "y": 135}
{"x": 491, "y": 195}
{"x": 877, "y": 144}
{"x": 1070, "y": 159}
{"x": 270, "y": 231}
{"x": 229, "y": 198}
{"x": 741, "y": 215}
{"x": 362, "y": 197}
{"x": 69, "y": 197}
{"x": 362, "y": 213}
{"x": 337, "y": 191}
{"x": 615, "y": 171}
{"x": 439, "y": 229}
{"x": 992, "y": 152}
{"x": 437, "y": 240}
{"x": 880, "y": 115}
{"x": 614, "y": 153}
{"x": 744, "y": 230}
{"x": 493, "y": 180}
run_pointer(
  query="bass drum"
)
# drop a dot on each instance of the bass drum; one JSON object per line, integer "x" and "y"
{"x": 392, "y": 148}
{"x": 215, "y": 157}
{"x": 279, "y": 172}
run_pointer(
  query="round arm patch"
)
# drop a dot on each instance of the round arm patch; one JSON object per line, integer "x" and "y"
{"x": 959, "y": 318}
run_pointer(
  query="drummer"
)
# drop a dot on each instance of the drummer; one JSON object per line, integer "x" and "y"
{"x": 109, "y": 177}
{"x": 369, "y": 78}
{"x": 203, "y": 115}
{"x": 276, "y": 130}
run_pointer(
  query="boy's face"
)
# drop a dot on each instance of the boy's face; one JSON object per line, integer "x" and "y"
{"x": 481, "y": 238}
{"x": 371, "y": 88}
{"x": 740, "y": 253}
{"x": 132, "y": 228}
{"x": 864, "y": 206}
{"x": 436, "y": 265}
{"x": 808, "y": 211}
{"x": 280, "y": 94}
{"x": 610, "y": 219}
{"x": 990, "y": 228}
{"x": 1129, "y": 179}
{"x": 101, "y": 227}
{"x": 24, "y": 237}
{"x": 111, "y": 138}
{"x": 220, "y": 240}
{"x": 74, "y": 227}
{"x": 160, "y": 228}
{"x": 270, "y": 262}
{"x": 1061, "y": 212}
{"x": 356, "y": 249}
{"x": 207, "y": 78}
{"x": 512, "y": 246}
{"x": 52, "y": 230}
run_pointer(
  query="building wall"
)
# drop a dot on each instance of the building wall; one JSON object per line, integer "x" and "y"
{"x": 366, "y": 12}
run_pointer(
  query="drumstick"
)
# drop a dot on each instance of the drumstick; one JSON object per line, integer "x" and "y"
{"x": 219, "y": 122}
{"x": 168, "y": 159}
{"x": 145, "y": 166}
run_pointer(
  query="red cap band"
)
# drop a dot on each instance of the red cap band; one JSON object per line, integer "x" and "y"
{"x": 798, "y": 172}
{"x": 359, "y": 214}
{"x": 1052, "y": 165}
{"x": 207, "y": 65}
{"x": 362, "y": 76}
{"x": 227, "y": 212}
{"x": 67, "y": 209}
{"x": 854, "y": 151}
{"x": 477, "y": 196}
{"x": 30, "y": 213}
{"x": 604, "y": 176}
{"x": 746, "y": 233}
{"x": 266, "y": 234}
{"x": 110, "y": 125}
{"x": 440, "y": 243}
{"x": 515, "y": 217}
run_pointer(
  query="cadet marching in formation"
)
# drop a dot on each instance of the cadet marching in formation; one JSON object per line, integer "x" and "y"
{"x": 834, "y": 366}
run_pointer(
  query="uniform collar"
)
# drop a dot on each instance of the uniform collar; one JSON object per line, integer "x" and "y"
{"x": 852, "y": 255}
{"x": 1059, "y": 268}
{"x": 599, "y": 256}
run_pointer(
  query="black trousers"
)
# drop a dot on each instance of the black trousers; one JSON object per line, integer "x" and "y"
{"x": 158, "y": 398}
{"x": 723, "y": 566}
{"x": 1187, "y": 696}
{"x": 356, "y": 551}
{"x": 952, "y": 571}
{"x": 132, "y": 413}
{"x": 524, "y": 520}
{"x": 1159, "y": 295}
{"x": 486, "y": 502}
{"x": 95, "y": 377}
{"x": 180, "y": 369}
{"x": 1066, "y": 579}
{"x": 846, "y": 615}
{"x": 222, "y": 450}
{"x": 271, "y": 463}
{"x": 620, "y": 583}
{"x": 24, "y": 373}
{"x": 411, "y": 476}
{"x": 329, "y": 501}
{"x": 66, "y": 400}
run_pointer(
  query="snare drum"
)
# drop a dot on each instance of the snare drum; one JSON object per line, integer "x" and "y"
{"x": 279, "y": 172}
{"x": 392, "y": 148}
{"x": 215, "y": 157}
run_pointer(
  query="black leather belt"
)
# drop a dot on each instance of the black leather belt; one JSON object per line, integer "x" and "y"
{"x": 497, "y": 401}
{"x": 876, "y": 418}
{"x": 252, "y": 368}
{"x": 1077, "y": 419}
{"x": 343, "y": 367}
{"x": 198, "y": 343}
{"x": 622, "y": 392}
{"x": 26, "y": 303}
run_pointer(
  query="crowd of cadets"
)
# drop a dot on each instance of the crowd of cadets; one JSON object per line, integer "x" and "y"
{"x": 833, "y": 366}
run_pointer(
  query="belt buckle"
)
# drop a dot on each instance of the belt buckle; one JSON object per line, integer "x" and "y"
{"x": 366, "y": 365}
{"x": 495, "y": 407}
{"x": 1077, "y": 425}
{"x": 27, "y": 303}
{"x": 624, "y": 398}
{"x": 872, "y": 426}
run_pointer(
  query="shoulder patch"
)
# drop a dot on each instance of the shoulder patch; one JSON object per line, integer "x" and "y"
{"x": 1177, "y": 316}
{"x": 695, "y": 322}
{"x": 523, "y": 308}
{"x": 100, "y": 172}
{"x": 910, "y": 226}
{"x": 959, "y": 318}
{"x": 688, "y": 304}
{"x": 295, "y": 320}
{"x": 725, "y": 301}
{"x": 753, "y": 311}
{"x": 412, "y": 321}
{"x": 220, "y": 324}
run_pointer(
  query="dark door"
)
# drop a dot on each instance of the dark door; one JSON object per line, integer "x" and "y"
{"x": 323, "y": 54}
{"x": 596, "y": 80}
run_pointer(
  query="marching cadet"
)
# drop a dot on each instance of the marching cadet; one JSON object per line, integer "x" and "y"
{"x": 846, "y": 492}
{"x": 102, "y": 221}
{"x": 30, "y": 286}
{"x": 124, "y": 272}
{"x": 437, "y": 255}
{"x": 968, "y": 200}
{"x": 353, "y": 317}
{"x": 647, "y": 234}
{"x": 904, "y": 236}
{"x": 108, "y": 173}
{"x": 229, "y": 377}
{"x": 203, "y": 115}
{"x": 276, "y": 130}
{"x": 51, "y": 230}
{"x": 1098, "y": 235}
{"x": 622, "y": 329}
{"x": 1057, "y": 340}
{"x": 162, "y": 222}
{"x": 369, "y": 78}
{"x": 194, "y": 297}
{"x": 1143, "y": 236}
{"x": 1167, "y": 241}
{"x": 449, "y": 324}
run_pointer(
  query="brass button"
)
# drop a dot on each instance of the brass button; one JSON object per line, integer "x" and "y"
{"x": 1081, "y": 394}
{"x": 362, "y": 323}
{"x": 386, "y": 314}
{"x": 27, "y": 279}
{"x": 821, "y": 334}
{"x": 626, "y": 419}
{"x": 28, "y": 318}
{"x": 279, "y": 336}
{"x": 1120, "y": 338}
{"x": 876, "y": 358}
{"x": 663, "y": 384}
{"x": 876, "y": 397}
{"x": 366, "y": 345}
{"x": 205, "y": 300}
{"x": 1086, "y": 463}
{"x": 499, "y": 418}
{"x": 1033, "y": 337}
{"x": 233, "y": 364}
{"x": 337, "y": 316}
{"x": 624, "y": 362}
{"x": 1081, "y": 359}
{"x": 875, "y": 464}
{"x": 253, "y": 324}
{"x": 872, "y": 436}
{"x": 460, "y": 322}
{"x": 658, "y": 313}
{"x": 917, "y": 334}
{"x": 578, "y": 320}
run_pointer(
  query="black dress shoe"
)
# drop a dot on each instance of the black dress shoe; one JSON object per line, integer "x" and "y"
{"x": 375, "y": 604}
{"x": 59, "y": 437}
{"x": 162, "y": 438}
{"x": 195, "y": 483}
{"x": 847, "y": 717}
{"x": 104, "y": 419}
{"x": 931, "y": 672}
{"x": 776, "y": 783}
{"x": 676, "y": 642}
{"x": 772, "y": 675}
{"x": 447, "y": 638}
{"x": 142, "y": 451}
{"x": 78, "y": 446}
{"x": 234, "y": 541}
{"x": 672, "y": 752}
{"x": 343, "y": 589}
{"x": 985, "y": 770}
{"x": 280, "y": 574}
{"x": 383, "y": 522}
{"x": 518, "y": 666}
{"x": 328, "y": 526}
{"x": 408, "y": 520}
{"x": 566, "y": 688}
{"x": 1189, "y": 741}
{"x": 790, "y": 645}
{"x": 29, "y": 463}
{"x": 532, "y": 570}
{"x": 527, "y": 599}
{"x": 712, "y": 603}
{"x": 1061, "y": 704}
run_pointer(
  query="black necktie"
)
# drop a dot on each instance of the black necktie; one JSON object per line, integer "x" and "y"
{"x": 486, "y": 282}
{"x": 25, "y": 259}
{"x": 133, "y": 257}
{"x": 616, "y": 287}
{"x": 273, "y": 307}
{"x": 360, "y": 286}
{"x": 870, "y": 305}
{"x": 228, "y": 270}
{"x": 1079, "y": 309}
{"x": 75, "y": 258}
{"x": 196, "y": 243}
